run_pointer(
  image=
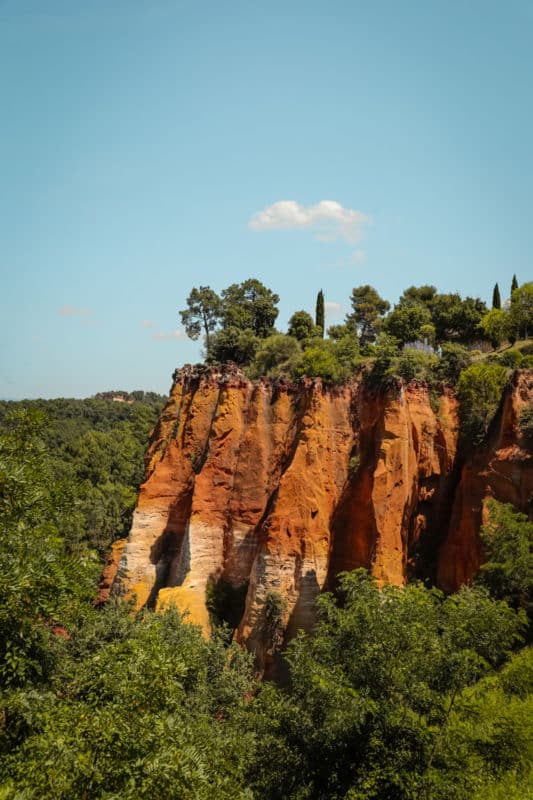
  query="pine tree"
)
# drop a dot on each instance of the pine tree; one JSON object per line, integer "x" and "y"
{"x": 514, "y": 285}
{"x": 319, "y": 314}
{"x": 496, "y": 299}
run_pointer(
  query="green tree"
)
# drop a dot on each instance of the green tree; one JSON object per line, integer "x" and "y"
{"x": 406, "y": 321}
{"x": 479, "y": 390}
{"x": 419, "y": 294}
{"x": 495, "y": 325}
{"x": 454, "y": 359}
{"x": 319, "y": 360}
{"x": 496, "y": 299}
{"x": 301, "y": 326}
{"x": 38, "y": 577}
{"x": 320, "y": 318}
{"x": 203, "y": 313}
{"x": 455, "y": 318}
{"x": 507, "y": 538}
{"x": 233, "y": 344}
{"x": 514, "y": 285}
{"x": 250, "y": 306}
{"x": 367, "y": 313}
{"x": 521, "y": 311}
{"x": 372, "y": 691}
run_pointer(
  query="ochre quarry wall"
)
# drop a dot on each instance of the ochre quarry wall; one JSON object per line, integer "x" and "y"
{"x": 275, "y": 488}
{"x": 501, "y": 468}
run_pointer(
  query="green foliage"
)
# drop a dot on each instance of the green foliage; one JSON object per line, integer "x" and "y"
{"x": 320, "y": 316}
{"x": 250, "y": 306}
{"x": 386, "y": 352}
{"x": 453, "y": 360}
{"x": 233, "y": 344}
{"x": 514, "y": 284}
{"x": 319, "y": 360}
{"x": 507, "y": 538}
{"x": 277, "y": 356}
{"x": 510, "y": 358}
{"x": 373, "y": 695}
{"x": 38, "y": 577}
{"x": 414, "y": 364}
{"x": 143, "y": 710}
{"x": 521, "y": 311}
{"x": 203, "y": 313}
{"x": 419, "y": 294}
{"x": 495, "y": 325}
{"x": 95, "y": 451}
{"x": 367, "y": 313}
{"x": 496, "y": 299}
{"x": 407, "y": 320}
{"x": 455, "y": 318}
{"x": 301, "y": 326}
{"x": 479, "y": 390}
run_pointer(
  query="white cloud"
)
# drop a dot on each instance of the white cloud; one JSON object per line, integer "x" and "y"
{"x": 147, "y": 323}
{"x": 161, "y": 336}
{"x": 328, "y": 219}
{"x": 332, "y": 308}
{"x": 72, "y": 311}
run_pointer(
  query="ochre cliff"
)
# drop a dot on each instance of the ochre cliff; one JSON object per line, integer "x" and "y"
{"x": 275, "y": 488}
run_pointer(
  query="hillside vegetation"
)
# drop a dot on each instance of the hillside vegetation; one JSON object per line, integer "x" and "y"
{"x": 398, "y": 693}
{"x": 426, "y": 335}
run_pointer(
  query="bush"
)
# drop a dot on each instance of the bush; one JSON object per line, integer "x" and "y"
{"x": 511, "y": 358}
{"x": 454, "y": 359}
{"x": 479, "y": 390}
{"x": 413, "y": 364}
{"x": 277, "y": 356}
{"x": 320, "y": 361}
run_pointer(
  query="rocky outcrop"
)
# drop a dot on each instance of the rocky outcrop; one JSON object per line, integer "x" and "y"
{"x": 501, "y": 468}
{"x": 271, "y": 489}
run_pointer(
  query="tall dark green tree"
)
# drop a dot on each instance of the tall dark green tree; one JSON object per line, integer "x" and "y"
{"x": 496, "y": 299}
{"x": 202, "y": 313}
{"x": 514, "y": 284}
{"x": 319, "y": 313}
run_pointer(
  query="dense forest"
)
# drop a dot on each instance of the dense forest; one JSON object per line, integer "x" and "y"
{"x": 397, "y": 694}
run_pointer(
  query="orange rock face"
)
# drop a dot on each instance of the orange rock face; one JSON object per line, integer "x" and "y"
{"x": 501, "y": 468}
{"x": 274, "y": 489}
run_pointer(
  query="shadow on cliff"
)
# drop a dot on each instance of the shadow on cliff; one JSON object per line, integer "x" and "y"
{"x": 170, "y": 552}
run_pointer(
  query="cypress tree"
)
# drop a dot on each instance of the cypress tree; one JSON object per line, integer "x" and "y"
{"x": 514, "y": 285}
{"x": 496, "y": 299}
{"x": 319, "y": 313}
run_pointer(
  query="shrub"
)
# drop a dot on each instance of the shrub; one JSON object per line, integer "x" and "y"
{"x": 511, "y": 358}
{"x": 479, "y": 390}
{"x": 319, "y": 361}
{"x": 277, "y": 356}
{"x": 454, "y": 359}
{"x": 413, "y": 364}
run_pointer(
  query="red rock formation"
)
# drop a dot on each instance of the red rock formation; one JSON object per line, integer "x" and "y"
{"x": 279, "y": 487}
{"x": 501, "y": 468}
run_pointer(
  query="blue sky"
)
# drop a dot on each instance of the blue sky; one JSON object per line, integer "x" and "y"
{"x": 141, "y": 143}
